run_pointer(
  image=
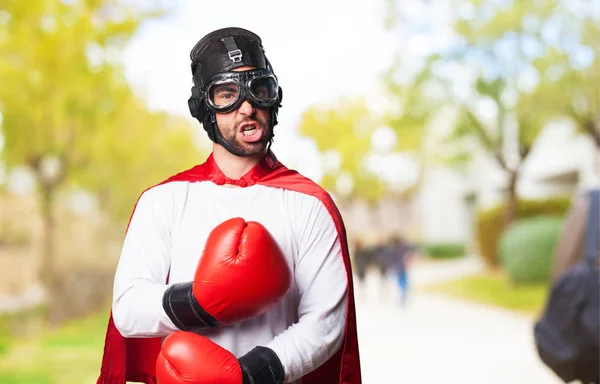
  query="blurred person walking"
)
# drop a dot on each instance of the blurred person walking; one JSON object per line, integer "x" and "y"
{"x": 398, "y": 256}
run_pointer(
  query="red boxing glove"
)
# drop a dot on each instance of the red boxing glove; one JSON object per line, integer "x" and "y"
{"x": 242, "y": 274}
{"x": 189, "y": 358}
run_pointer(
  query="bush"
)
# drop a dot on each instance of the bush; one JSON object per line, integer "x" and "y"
{"x": 527, "y": 247}
{"x": 444, "y": 251}
{"x": 490, "y": 223}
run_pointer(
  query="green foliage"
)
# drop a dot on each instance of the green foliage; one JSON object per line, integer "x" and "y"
{"x": 140, "y": 150}
{"x": 495, "y": 288}
{"x": 344, "y": 130}
{"x": 64, "y": 97}
{"x": 572, "y": 93}
{"x": 52, "y": 95}
{"x": 527, "y": 247}
{"x": 444, "y": 251}
{"x": 414, "y": 106}
{"x": 568, "y": 68}
{"x": 490, "y": 223}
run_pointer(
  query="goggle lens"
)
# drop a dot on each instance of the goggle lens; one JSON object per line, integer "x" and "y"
{"x": 264, "y": 89}
{"x": 224, "y": 95}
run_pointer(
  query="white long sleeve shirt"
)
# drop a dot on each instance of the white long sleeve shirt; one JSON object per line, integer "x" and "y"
{"x": 166, "y": 236}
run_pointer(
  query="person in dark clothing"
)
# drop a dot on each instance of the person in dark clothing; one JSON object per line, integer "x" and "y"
{"x": 400, "y": 254}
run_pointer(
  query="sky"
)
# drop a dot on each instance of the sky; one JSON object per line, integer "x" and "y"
{"x": 320, "y": 51}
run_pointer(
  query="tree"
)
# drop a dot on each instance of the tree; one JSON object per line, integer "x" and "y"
{"x": 140, "y": 149}
{"x": 491, "y": 134}
{"x": 570, "y": 76}
{"x": 533, "y": 61}
{"x": 68, "y": 114}
{"x": 342, "y": 133}
{"x": 412, "y": 113}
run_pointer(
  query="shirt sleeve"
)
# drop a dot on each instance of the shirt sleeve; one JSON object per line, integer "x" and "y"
{"x": 143, "y": 268}
{"x": 322, "y": 283}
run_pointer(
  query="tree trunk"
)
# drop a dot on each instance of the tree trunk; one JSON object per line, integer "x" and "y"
{"x": 48, "y": 272}
{"x": 512, "y": 201}
{"x": 47, "y": 268}
{"x": 592, "y": 129}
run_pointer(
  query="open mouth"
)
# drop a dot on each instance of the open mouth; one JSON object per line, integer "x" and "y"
{"x": 251, "y": 132}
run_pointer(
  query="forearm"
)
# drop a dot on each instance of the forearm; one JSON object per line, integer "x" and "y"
{"x": 138, "y": 311}
{"x": 310, "y": 342}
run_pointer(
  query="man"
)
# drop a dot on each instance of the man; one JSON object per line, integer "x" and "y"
{"x": 309, "y": 335}
{"x": 401, "y": 255}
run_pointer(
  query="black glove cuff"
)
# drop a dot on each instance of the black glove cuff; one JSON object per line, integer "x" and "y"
{"x": 261, "y": 366}
{"x": 183, "y": 309}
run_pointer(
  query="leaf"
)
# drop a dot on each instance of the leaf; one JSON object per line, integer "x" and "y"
{"x": 58, "y": 100}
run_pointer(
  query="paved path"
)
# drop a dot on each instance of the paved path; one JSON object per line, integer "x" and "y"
{"x": 442, "y": 340}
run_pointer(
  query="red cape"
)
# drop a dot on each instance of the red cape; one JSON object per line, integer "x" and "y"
{"x": 134, "y": 359}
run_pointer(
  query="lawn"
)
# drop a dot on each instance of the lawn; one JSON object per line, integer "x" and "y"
{"x": 494, "y": 288}
{"x": 69, "y": 355}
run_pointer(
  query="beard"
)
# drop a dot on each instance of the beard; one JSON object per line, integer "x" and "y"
{"x": 232, "y": 135}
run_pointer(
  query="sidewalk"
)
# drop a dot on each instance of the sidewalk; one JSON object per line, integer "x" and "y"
{"x": 443, "y": 340}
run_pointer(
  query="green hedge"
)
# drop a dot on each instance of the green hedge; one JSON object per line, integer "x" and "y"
{"x": 444, "y": 250}
{"x": 526, "y": 249}
{"x": 490, "y": 223}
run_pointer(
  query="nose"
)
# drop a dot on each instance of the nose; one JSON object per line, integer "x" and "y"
{"x": 246, "y": 108}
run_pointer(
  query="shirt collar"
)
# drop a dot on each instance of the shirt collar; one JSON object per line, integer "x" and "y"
{"x": 267, "y": 165}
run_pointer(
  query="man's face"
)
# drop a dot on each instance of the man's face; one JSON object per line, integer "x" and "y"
{"x": 247, "y": 129}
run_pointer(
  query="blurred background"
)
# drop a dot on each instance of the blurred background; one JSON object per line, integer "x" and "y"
{"x": 455, "y": 136}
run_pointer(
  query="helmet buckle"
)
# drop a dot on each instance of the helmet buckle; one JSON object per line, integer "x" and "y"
{"x": 235, "y": 56}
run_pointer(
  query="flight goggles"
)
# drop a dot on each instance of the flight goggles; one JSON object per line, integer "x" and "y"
{"x": 226, "y": 91}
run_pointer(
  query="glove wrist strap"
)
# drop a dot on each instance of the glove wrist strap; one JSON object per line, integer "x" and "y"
{"x": 183, "y": 309}
{"x": 261, "y": 366}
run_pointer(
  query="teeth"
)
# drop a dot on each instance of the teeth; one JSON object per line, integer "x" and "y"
{"x": 249, "y": 132}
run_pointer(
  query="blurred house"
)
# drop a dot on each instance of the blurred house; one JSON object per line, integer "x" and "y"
{"x": 561, "y": 162}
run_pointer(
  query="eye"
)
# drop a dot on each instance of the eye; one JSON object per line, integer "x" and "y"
{"x": 264, "y": 89}
{"x": 262, "y": 92}
{"x": 224, "y": 94}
